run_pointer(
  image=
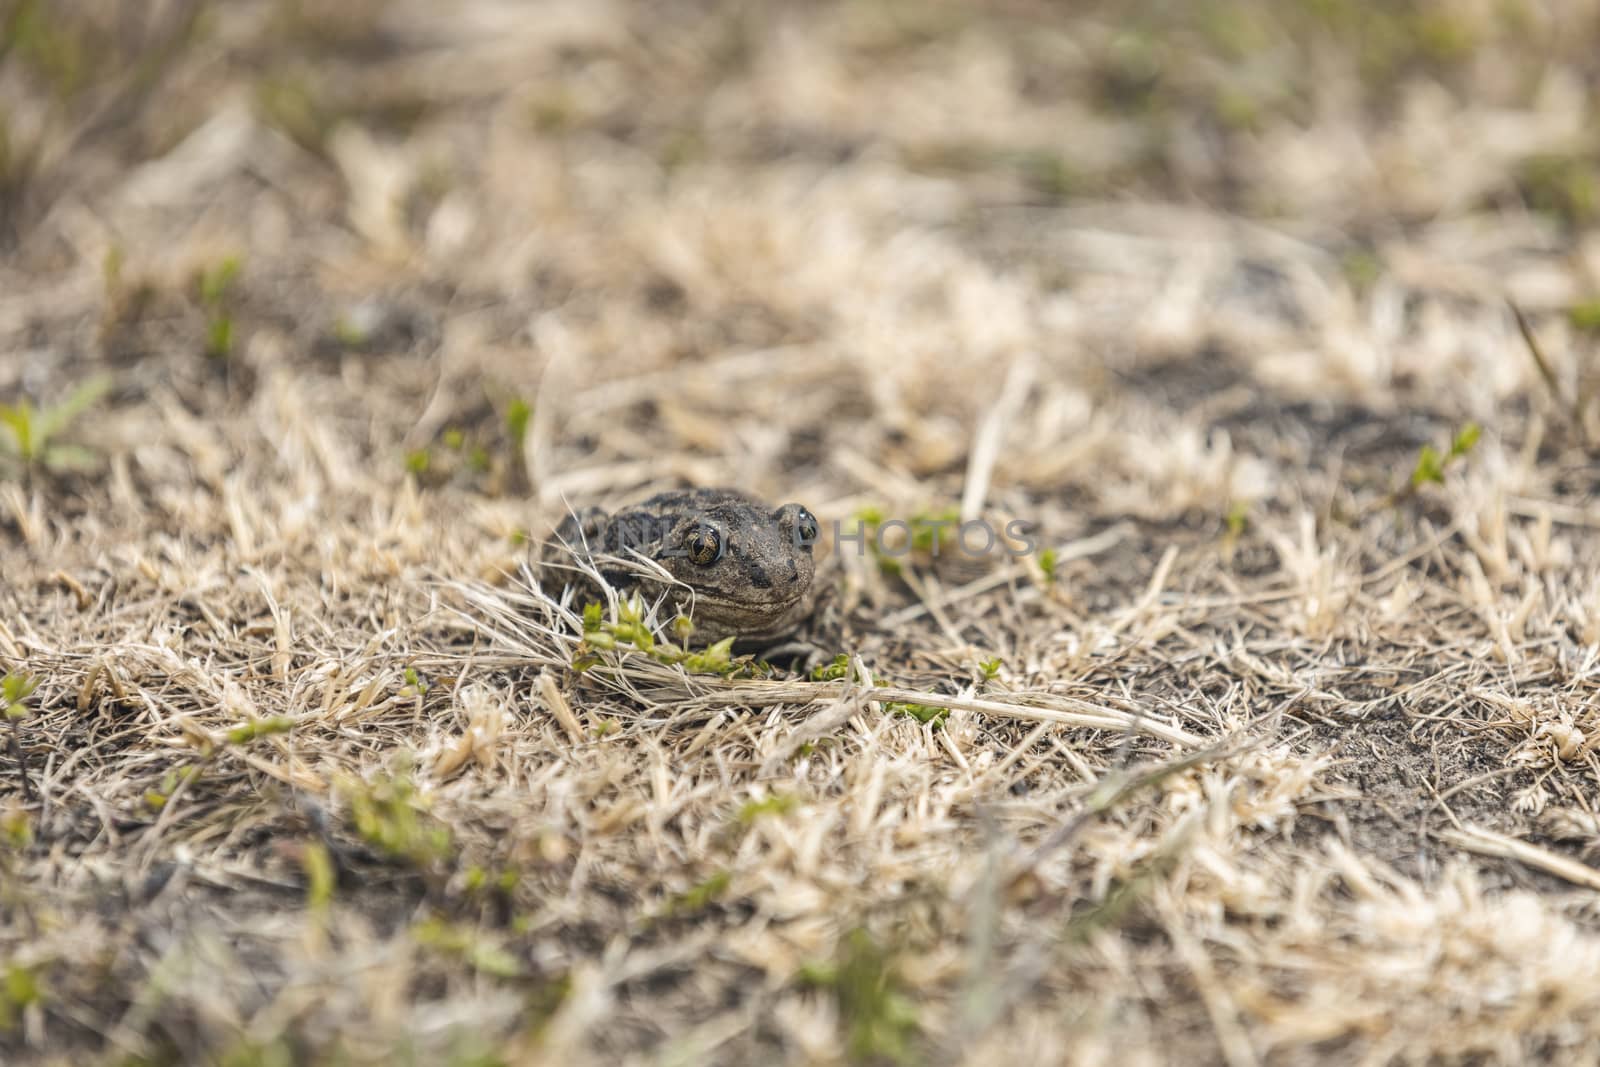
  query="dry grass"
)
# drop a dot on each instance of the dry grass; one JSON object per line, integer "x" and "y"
{"x": 1286, "y": 752}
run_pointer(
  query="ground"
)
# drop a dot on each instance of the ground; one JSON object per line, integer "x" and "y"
{"x": 1274, "y": 325}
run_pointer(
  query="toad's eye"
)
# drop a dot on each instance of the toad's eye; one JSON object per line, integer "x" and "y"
{"x": 805, "y": 526}
{"x": 703, "y": 545}
{"x": 797, "y": 525}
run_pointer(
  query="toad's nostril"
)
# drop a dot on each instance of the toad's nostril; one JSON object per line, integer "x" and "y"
{"x": 758, "y": 577}
{"x": 794, "y": 572}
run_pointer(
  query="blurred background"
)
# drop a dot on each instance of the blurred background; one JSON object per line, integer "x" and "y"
{"x": 582, "y": 247}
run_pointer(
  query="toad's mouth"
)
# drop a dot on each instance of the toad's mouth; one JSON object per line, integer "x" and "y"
{"x": 717, "y": 605}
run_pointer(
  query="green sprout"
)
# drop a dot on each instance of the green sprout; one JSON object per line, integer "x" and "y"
{"x": 832, "y": 672}
{"x": 171, "y": 781}
{"x": 697, "y": 897}
{"x": 1048, "y": 561}
{"x": 19, "y": 988}
{"x": 298, "y": 110}
{"x": 215, "y": 284}
{"x": 219, "y": 337}
{"x": 321, "y": 877}
{"x": 1047, "y": 172}
{"x": 16, "y": 829}
{"x": 416, "y": 685}
{"x": 1431, "y": 464}
{"x": 479, "y": 455}
{"x": 247, "y": 732}
{"x": 932, "y": 531}
{"x": 553, "y": 113}
{"x": 476, "y": 949}
{"x": 1585, "y": 317}
{"x": 631, "y": 630}
{"x": 923, "y": 713}
{"x": 389, "y": 816}
{"x": 479, "y": 880}
{"x": 776, "y": 804}
{"x": 15, "y": 689}
{"x": 349, "y": 332}
{"x": 1238, "y": 519}
{"x": 63, "y": 54}
{"x": 1565, "y": 187}
{"x": 28, "y": 434}
{"x": 518, "y": 414}
{"x": 880, "y": 1021}
{"x": 1362, "y": 268}
{"x": 216, "y": 281}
